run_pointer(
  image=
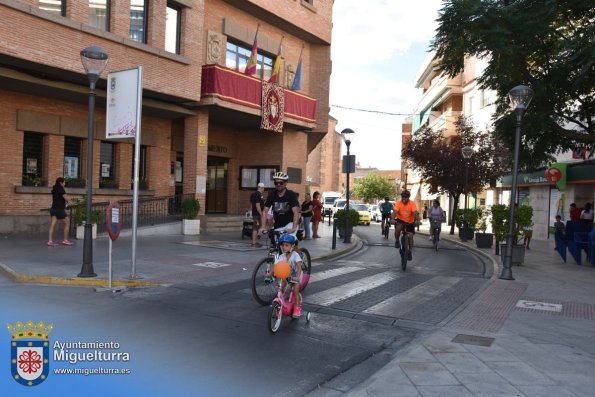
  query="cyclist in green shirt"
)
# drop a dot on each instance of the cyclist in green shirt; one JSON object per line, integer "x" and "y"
{"x": 385, "y": 210}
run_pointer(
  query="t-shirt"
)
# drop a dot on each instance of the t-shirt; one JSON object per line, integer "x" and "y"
{"x": 256, "y": 199}
{"x": 587, "y": 216}
{"x": 405, "y": 212}
{"x": 282, "y": 207}
{"x": 293, "y": 261}
{"x": 386, "y": 207}
{"x": 58, "y": 202}
{"x": 305, "y": 207}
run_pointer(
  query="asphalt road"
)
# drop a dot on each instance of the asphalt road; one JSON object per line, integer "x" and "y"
{"x": 210, "y": 338}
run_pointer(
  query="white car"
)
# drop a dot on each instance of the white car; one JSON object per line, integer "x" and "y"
{"x": 375, "y": 213}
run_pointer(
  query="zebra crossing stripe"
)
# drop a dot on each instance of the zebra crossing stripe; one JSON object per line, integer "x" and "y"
{"x": 316, "y": 276}
{"x": 353, "y": 288}
{"x": 398, "y": 305}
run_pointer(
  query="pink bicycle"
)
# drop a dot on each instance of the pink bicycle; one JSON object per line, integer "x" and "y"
{"x": 282, "y": 306}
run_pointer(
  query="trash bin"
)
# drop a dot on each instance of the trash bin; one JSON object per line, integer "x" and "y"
{"x": 247, "y": 227}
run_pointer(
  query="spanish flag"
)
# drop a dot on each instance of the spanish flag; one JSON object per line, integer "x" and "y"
{"x": 253, "y": 60}
{"x": 276, "y": 66}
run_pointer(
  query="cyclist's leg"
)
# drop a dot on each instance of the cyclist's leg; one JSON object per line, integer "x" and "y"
{"x": 411, "y": 229}
{"x": 398, "y": 227}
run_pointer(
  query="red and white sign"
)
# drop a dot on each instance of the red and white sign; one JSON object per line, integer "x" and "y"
{"x": 553, "y": 174}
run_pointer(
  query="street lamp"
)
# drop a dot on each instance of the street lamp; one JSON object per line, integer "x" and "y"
{"x": 94, "y": 60}
{"x": 520, "y": 97}
{"x": 467, "y": 153}
{"x": 347, "y": 168}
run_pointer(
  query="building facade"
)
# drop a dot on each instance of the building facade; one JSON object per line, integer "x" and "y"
{"x": 323, "y": 169}
{"x": 201, "y": 115}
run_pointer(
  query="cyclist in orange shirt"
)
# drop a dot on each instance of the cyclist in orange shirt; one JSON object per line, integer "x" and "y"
{"x": 406, "y": 215}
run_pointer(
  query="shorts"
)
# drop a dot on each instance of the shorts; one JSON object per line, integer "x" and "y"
{"x": 385, "y": 216}
{"x": 60, "y": 214}
{"x": 256, "y": 222}
{"x": 410, "y": 227}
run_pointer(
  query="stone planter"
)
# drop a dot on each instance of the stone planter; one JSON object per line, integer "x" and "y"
{"x": 342, "y": 231}
{"x": 518, "y": 253}
{"x": 469, "y": 232}
{"x": 80, "y": 232}
{"x": 191, "y": 227}
{"x": 484, "y": 240}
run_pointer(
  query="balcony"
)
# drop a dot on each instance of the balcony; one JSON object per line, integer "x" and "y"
{"x": 233, "y": 90}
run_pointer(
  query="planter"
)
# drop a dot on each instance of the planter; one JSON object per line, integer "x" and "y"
{"x": 469, "y": 232}
{"x": 342, "y": 231}
{"x": 518, "y": 253}
{"x": 191, "y": 227}
{"x": 80, "y": 232}
{"x": 484, "y": 240}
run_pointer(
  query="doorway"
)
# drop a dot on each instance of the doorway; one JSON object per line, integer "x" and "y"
{"x": 216, "y": 185}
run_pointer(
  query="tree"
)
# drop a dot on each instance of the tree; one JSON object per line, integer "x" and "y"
{"x": 547, "y": 45}
{"x": 440, "y": 163}
{"x": 373, "y": 187}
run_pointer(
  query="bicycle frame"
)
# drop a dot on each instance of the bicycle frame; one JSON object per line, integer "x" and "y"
{"x": 275, "y": 252}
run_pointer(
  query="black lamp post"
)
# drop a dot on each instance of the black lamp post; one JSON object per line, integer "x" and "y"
{"x": 345, "y": 133}
{"x": 520, "y": 97}
{"x": 467, "y": 153}
{"x": 94, "y": 60}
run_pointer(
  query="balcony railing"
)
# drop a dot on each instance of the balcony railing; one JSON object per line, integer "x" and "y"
{"x": 221, "y": 86}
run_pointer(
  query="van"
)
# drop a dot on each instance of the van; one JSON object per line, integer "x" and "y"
{"x": 328, "y": 199}
{"x": 339, "y": 204}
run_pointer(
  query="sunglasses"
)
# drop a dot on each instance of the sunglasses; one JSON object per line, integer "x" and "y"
{"x": 279, "y": 183}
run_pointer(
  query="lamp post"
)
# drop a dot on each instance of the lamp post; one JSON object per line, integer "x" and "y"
{"x": 347, "y": 168}
{"x": 520, "y": 97}
{"x": 94, "y": 60}
{"x": 467, "y": 153}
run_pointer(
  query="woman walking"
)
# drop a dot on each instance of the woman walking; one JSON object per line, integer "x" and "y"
{"x": 307, "y": 215}
{"x": 316, "y": 214}
{"x": 58, "y": 212}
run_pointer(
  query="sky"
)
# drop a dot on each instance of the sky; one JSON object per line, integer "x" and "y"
{"x": 377, "y": 48}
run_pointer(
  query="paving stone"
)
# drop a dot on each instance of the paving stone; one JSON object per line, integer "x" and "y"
{"x": 492, "y": 353}
{"x": 519, "y": 373}
{"x": 415, "y": 354}
{"x": 462, "y": 362}
{"x": 428, "y": 374}
{"x": 441, "y": 343}
{"x": 581, "y": 384}
{"x": 444, "y": 391}
{"x": 487, "y": 385}
{"x": 546, "y": 391}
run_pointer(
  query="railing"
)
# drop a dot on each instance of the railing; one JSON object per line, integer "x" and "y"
{"x": 151, "y": 211}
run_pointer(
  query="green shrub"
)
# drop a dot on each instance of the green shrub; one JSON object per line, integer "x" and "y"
{"x": 79, "y": 208}
{"x": 483, "y": 214}
{"x": 523, "y": 216}
{"x": 190, "y": 208}
{"x": 470, "y": 215}
{"x": 342, "y": 217}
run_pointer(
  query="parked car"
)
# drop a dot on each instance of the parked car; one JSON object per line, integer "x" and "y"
{"x": 373, "y": 209}
{"x": 364, "y": 214}
{"x": 328, "y": 199}
{"x": 338, "y": 205}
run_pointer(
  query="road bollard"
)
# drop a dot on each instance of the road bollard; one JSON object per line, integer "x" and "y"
{"x": 334, "y": 235}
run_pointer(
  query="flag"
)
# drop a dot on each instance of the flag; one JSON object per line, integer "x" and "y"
{"x": 253, "y": 60}
{"x": 297, "y": 80}
{"x": 276, "y": 67}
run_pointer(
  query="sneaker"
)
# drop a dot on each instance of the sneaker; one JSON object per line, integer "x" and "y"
{"x": 397, "y": 244}
{"x": 67, "y": 242}
{"x": 297, "y": 311}
{"x": 53, "y": 243}
{"x": 409, "y": 256}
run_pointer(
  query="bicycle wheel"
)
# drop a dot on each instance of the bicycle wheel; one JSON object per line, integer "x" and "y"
{"x": 404, "y": 250}
{"x": 263, "y": 291}
{"x": 274, "y": 317}
{"x": 386, "y": 230}
{"x": 306, "y": 261}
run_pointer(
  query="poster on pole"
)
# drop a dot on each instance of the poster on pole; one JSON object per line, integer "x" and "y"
{"x": 124, "y": 96}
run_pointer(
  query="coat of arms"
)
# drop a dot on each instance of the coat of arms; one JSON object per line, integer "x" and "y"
{"x": 29, "y": 352}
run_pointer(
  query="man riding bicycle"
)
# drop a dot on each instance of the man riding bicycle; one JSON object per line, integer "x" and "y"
{"x": 406, "y": 215}
{"x": 285, "y": 206}
{"x": 385, "y": 210}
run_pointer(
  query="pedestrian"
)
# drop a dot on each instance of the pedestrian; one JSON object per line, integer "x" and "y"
{"x": 316, "y": 214}
{"x": 425, "y": 212}
{"x": 307, "y": 213}
{"x": 587, "y": 214}
{"x": 575, "y": 213}
{"x": 558, "y": 230}
{"x": 527, "y": 235}
{"x": 257, "y": 202}
{"x": 58, "y": 212}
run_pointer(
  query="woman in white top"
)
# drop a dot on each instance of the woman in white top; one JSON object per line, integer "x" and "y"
{"x": 587, "y": 214}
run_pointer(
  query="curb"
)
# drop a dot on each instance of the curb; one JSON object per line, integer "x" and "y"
{"x": 80, "y": 282}
{"x": 355, "y": 245}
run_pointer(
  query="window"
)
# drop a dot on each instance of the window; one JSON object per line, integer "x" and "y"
{"x": 485, "y": 98}
{"x": 142, "y": 168}
{"x": 72, "y": 157}
{"x": 237, "y": 57}
{"x": 33, "y": 159}
{"x": 55, "y": 6}
{"x": 470, "y": 105}
{"x": 107, "y": 165}
{"x": 252, "y": 176}
{"x": 99, "y": 11}
{"x": 138, "y": 20}
{"x": 173, "y": 21}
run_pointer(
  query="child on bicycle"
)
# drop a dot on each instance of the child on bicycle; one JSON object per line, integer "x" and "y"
{"x": 288, "y": 242}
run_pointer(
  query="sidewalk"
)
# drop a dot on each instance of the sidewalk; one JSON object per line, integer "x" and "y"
{"x": 533, "y": 336}
{"x": 160, "y": 260}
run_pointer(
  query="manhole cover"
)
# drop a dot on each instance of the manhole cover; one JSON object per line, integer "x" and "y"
{"x": 473, "y": 340}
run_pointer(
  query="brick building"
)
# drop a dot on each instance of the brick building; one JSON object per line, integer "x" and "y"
{"x": 201, "y": 114}
{"x": 324, "y": 162}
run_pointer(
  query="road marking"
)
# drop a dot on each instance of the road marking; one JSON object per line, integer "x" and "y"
{"x": 353, "y": 288}
{"x": 550, "y": 307}
{"x": 211, "y": 265}
{"x": 400, "y": 304}
{"x": 332, "y": 273}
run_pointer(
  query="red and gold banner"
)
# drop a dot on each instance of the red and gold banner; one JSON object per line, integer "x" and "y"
{"x": 273, "y": 107}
